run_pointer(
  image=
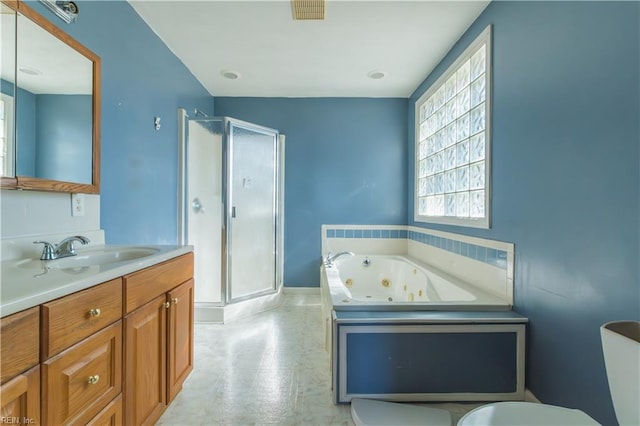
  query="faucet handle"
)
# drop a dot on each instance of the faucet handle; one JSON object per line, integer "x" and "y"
{"x": 47, "y": 251}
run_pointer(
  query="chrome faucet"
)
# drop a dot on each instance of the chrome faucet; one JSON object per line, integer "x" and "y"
{"x": 328, "y": 261}
{"x": 64, "y": 248}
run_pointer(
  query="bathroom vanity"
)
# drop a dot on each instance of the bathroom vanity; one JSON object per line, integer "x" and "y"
{"x": 99, "y": 344}
{"x": 104, "y": 336}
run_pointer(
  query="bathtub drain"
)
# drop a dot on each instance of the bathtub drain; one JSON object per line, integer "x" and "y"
{"x": 390, "y": 299}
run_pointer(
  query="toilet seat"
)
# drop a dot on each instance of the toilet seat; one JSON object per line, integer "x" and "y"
{"x": 525, "y": 413}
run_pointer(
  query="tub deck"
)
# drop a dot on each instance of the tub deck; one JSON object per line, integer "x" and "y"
{"x": 429, "y": 317}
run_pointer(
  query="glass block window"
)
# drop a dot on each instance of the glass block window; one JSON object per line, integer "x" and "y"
{"x": 452, "y": 142}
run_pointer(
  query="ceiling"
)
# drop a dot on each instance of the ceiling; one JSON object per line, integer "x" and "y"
{"x": 276, "y": 56}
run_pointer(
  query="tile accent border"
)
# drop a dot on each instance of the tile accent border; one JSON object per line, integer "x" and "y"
{"x": 491, "y": 256}
{"x": 366, "y": 233}
{"x": 482, "y": 253}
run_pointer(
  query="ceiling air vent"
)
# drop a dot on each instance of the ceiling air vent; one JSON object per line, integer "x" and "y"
{"x": 305, "y": 10}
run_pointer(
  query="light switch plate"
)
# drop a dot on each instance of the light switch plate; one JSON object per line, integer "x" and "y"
{"x": 77, "y": 204}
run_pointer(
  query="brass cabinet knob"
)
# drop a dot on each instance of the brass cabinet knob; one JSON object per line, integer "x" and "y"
{"x": 94, "y": 312}
{"x": 174, "y": 300}
{"x": 92, "y": 380}
{"x": 166, "y": 305}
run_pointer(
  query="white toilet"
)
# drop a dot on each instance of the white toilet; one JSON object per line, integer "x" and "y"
{"x": 621, "y": 347}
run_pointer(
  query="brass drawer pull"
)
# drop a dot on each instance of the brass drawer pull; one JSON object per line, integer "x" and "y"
{"x": 175, "y": 300}
{"x": 92, "y": 380}
{"x": 94, "y": 312}
{"x": 166, "y": 305}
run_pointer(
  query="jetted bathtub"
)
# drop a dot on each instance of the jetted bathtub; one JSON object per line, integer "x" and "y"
{"x": 388, "y": 282}
{"x": 400, "y": 330}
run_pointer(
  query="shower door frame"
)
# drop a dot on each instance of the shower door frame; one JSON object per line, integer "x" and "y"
{"x": 226, "y": 282}
{"x": 227, "y": 202}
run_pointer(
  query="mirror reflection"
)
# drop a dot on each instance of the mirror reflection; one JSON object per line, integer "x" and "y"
{"x": 7, "y": 96}
{"x": 54, "y": 125}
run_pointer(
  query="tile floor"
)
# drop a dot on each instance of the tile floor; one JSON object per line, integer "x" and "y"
{"x": 268, "y": 369}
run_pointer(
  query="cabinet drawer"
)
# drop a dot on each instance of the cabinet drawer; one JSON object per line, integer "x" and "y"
{"x": 20, "y": 342}
{"x": 111, "y": 415}
{"x": 143, "y": 286}
{"x": 20, "y": 398}
{"x": 70, "y": 319}
{"x": 79, "y": 382}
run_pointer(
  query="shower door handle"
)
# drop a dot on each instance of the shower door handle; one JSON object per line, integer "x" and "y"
{"x": 197, "y": 205}
{"x": 233, "y": 212}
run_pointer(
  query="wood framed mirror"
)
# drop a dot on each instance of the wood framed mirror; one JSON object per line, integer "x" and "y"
{"x": 55, "y": 85}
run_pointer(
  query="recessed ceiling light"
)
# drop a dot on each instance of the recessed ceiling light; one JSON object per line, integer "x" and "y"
{"x": 30, "y": 70}
{"x": 231, "y": 75}
{"x": 376, "y": 75}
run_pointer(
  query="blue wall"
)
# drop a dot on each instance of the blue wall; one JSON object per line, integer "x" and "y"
{"x": 64, "y": 135}
{"x": 141, "y": 79}
{"x": 345, "y": 164}
{"x": 566, "y": 102}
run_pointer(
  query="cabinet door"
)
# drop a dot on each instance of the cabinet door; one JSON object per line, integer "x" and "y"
{"x": 145, "y": 394}
{"x": 21, "y": 398}
{"x": 180, "y": 346}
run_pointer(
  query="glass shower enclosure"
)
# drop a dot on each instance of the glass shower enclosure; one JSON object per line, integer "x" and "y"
{"x": 230, "y": 197}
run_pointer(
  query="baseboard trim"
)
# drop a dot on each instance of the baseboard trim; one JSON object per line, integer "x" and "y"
{"x": 301, "y": 290}
{"x": 530, "y": 397}
{"x": 208, "y": 313}
{"x": 218, "y": 314}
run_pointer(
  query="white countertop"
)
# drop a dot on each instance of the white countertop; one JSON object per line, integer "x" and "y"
{"x": 23, "y": 288}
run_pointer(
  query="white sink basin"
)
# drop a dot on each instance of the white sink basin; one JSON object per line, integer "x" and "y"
{"x": 91, "y": 257}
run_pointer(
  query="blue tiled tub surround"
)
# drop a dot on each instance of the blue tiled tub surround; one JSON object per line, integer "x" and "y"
{"x": 479, "y": 252}
{"x": 370, "y": 239}
{"x": 366, "y": 233}
{"x": 487, "y": 264}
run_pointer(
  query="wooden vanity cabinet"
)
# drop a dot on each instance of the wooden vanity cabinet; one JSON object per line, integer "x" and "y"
{"x": 158, "y": 330}
{"x": 116, "y": 353}
{"x": 19, "y": 368}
